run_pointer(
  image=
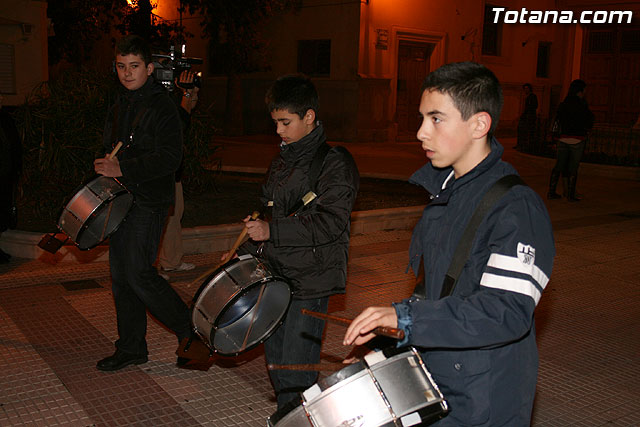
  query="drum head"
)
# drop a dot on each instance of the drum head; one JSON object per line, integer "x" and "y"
{"x": 250, "y": 319}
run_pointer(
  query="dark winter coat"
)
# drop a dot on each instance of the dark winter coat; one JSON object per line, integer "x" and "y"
{"x": 575, "y": 117}
{"x": 152, "y": 151}
{"x": 479, "y": 343}
{"x": 310, "y": 249}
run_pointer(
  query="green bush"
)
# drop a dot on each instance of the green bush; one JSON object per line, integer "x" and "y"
{"x": 62, "y": 124}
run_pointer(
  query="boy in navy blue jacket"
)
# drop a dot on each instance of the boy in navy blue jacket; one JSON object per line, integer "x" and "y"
{"x": 479, "y": 341}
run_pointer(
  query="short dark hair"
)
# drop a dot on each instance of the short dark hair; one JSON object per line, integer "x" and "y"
{"x": 472, "y": 87}
{"x": 294, "y": 93}
{"x": 576, "y": 87}
{"x": 528, "y": 85}
{"x": 134, "y": 45}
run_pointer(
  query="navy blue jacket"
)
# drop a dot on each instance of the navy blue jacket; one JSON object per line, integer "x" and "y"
{"x": 479, "y": 343}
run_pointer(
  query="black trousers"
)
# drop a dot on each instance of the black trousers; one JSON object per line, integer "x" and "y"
{"x": 136, "y": 285}
{"x": 568, "y": 158}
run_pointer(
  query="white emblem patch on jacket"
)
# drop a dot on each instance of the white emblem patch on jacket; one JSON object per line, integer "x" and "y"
{"x": 526, "y": 254}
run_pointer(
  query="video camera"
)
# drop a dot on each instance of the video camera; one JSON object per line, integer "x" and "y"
{"x": 167, "y": 68}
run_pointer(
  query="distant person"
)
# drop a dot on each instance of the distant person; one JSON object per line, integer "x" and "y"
{"x": 146, "y": 119}
{"x": 527, "y": 122}
{"x": 308, "y": 246}
{"x": 576, "y": 120}
{"x": 171, "y": 249}
{"x": 478, "y": 339}
{"x": 10, "y": 169}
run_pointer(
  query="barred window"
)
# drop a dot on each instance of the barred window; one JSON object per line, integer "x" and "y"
{"x": 7, "y": 69}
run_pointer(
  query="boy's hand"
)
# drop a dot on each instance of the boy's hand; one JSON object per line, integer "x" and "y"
{"x": 107, "y": 167}
{"x": 257, "y": 230}
{"x": 359, "y": 331}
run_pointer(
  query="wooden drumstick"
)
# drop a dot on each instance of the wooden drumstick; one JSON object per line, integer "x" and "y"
{"x": 308, "y": 367}
{"x": 380, "y": 330}
{"x": 232, "y": 251}
{"x": 242, "y": 235}
{"x": 115, "y": 150}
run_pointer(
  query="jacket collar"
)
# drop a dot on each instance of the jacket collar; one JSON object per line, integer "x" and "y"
{"x": 432, "y": 178}
{"x": 306, "y": 144}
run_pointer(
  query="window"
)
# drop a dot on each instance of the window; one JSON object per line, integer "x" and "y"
{"x": 7, "y": 69}
{"x": 601, "y": 42}
{"x": 491, "y": 32}
{"x": 314, "y": 57}
{"x": 544, "y": 54}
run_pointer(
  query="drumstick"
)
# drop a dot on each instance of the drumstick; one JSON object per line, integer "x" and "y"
{"x": 380, "y": 330}
{"x": 233, "y": 249}
{"x": 308, "y": 367}
{"x": 115, "y": 150}
{"x": 242, "y": 235}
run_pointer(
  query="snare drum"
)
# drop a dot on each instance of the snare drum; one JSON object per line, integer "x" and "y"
{"x": 394, "y": 390}
{"x": 239, "y": 306}
{"x": 95, "y": 212}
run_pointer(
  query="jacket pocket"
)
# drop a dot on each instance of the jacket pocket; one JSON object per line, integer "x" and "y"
{"x": 465, "y": 381}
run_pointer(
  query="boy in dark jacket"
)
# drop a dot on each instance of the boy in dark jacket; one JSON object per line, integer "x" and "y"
{"x": 479, "y": 341}
{"x": 307, "y": 246}
{"x": 146, "y": 120}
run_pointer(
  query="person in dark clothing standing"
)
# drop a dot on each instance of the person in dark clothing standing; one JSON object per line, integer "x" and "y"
{"x": 527, "y": 122}
{"x": 576, "y": 120}
{"x": 307, "y": 246}
{"x": 10, "y": 169}
{"x": 171, "y": 249}
{"x": 146, "y": 120}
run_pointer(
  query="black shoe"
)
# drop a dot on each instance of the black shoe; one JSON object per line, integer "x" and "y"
{"x": 182, "y": 362}
{"x": 119, "y": 360}
{"x": 553, "y": 195}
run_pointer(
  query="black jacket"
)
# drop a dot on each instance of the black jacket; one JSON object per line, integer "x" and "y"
{"x": 309, "y": 249}
{"x": 575, "y": 117}
{"x": 152, "y": 148}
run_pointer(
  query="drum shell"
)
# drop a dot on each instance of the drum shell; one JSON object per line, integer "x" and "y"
{"x": 236, "y": 286}
{"x": 351, "y": 397}
{"x": 95, "y": 211}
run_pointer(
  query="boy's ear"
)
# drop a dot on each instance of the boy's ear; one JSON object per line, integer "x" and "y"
{"x": 309, "y": 117}
{"x": 150, "y": 68}
{"x": 481, "y": 123}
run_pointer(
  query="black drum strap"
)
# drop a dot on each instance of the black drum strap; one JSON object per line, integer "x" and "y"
{"x": 461, "y": 254}
{"x": 314, "y": 174}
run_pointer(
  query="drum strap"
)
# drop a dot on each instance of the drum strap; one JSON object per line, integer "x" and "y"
{"x": 136, "y": 120}
{"x": 314, "y": 174}
{"x": 461, "y": 254}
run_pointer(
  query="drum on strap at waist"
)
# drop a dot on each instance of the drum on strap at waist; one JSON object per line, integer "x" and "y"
{"x": 240, "y": 305}
{"x": 390, "y": 387}
{"x": 95, "y": 211}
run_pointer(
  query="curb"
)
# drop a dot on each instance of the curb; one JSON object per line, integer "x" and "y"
{"x": 199, "y": 240}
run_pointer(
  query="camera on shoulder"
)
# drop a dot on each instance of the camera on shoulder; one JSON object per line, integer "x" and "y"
{"x": 167, "y": 68}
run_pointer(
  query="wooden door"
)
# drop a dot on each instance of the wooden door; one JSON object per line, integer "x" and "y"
{"x": 413, "y": 67}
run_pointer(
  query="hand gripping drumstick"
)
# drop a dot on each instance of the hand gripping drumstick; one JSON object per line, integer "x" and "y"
{"x": 380, "y": 330}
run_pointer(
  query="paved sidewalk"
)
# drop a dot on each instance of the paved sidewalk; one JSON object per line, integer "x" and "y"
{"x": 58, "y": 319}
